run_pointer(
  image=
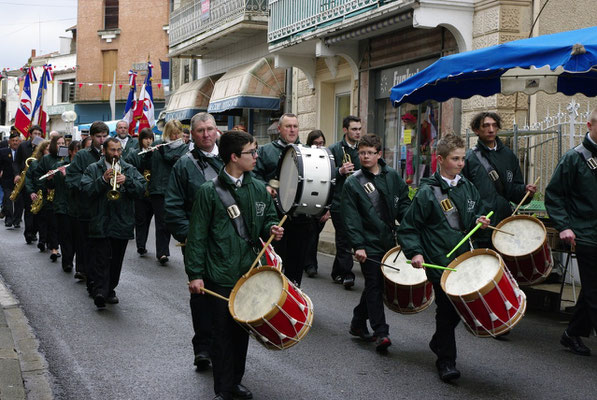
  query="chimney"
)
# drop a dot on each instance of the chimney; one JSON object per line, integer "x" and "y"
{"x": 32, "y": 53}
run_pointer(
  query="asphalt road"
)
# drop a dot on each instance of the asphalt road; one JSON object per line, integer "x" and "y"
{"x": 141, "y": 349}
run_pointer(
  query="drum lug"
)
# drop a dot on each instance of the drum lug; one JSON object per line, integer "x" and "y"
{"x": 324, "y": 181}
{"x": 309, "y": 180}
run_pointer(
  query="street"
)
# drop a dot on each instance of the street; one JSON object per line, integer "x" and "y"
{"x": 141, "y": 348}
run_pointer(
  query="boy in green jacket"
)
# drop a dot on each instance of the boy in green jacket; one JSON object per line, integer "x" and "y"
{"x": 216, "y": 256}
{"x": 426, "y": 236}
{"x": 373, "y": 198}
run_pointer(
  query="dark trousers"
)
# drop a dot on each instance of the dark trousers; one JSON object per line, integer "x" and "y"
{"x": 83, "y": 250}
{"x": 162, "y": 235}
{"x": 585, "y": 315}
{"x": 47, "y": 223}
{"x": 446, "y": 320}
{"x": 107, "y": 256}
{"x": 311, "y": 258}
{"x": 143, "y": 214}
{"x": 68, "y": 235}
{"x": 201, "y": 316}
{"x": 13, "y": 211}
{"x": 39, "y": 220}
{"x": 230, "y": 343}
{"x": 293, "y": 248}
{"x": 343, "y": 261}
{"x": 371, "y": 306}
{"x": 30, "y": 222}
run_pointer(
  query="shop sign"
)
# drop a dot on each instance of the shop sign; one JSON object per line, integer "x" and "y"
{"x": 388, "y": 78}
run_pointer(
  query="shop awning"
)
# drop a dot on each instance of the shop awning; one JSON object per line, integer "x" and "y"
{"x": 256, "y": 85}
{"x": 189, "y": 99}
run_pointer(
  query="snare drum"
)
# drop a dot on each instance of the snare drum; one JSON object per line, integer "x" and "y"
{"x": 271, "y": 308}
{"x": 407, "y": 291}
{"x": 484, "y": 293}
{"x": 527, "y": 253}
{"x": 306, "y": 177}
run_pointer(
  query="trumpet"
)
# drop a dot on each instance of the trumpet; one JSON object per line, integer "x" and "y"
{"x": 19, "y": 186}
{"x": 147, "y": 176}
{"x": 157, "y": 146}
{"x": 114, "y": 194}
{"x": 346, "y": 159}
{"x": 52, "y": 172}
{"x": 38, "y": 203}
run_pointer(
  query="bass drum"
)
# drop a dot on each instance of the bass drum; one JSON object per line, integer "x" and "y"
{"x": 306, "y": 177}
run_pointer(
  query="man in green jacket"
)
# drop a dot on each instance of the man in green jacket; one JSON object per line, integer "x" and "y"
{"x": 373, "y": 198}
{"x": 571, "y": 202}
{"x": 347, "y": 162}
{"x": 217, "y": 256}
{"x": 426, "y": 236}
{"x": 129, "y": 143}
{"x": 200, "y": 165}
{"x": 495, "y": 171}
{"x": 112, "y": 220}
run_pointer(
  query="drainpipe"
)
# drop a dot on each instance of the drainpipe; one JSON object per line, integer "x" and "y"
{"x": 288, "y": 100}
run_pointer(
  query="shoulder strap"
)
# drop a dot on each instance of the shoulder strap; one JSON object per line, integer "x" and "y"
{"x": 493, "y": 174}
{"x": 206, "y": 169}
{"x": 588, "y": 157}
{"x": 450, "y": 211}
{"x": 232, "y": 209}
{"x": 375, "y": 198}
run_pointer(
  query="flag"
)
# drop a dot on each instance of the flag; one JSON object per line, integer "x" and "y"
{"x": 131, "y": 102}
{"x": 113, "y": 97}
{"x": 39, "y": 115}
{"x": 144, "y": 112}
{"x": 271, "y": 257}
{"x": 430, "y": 120}
{"x": 25, "y": 110}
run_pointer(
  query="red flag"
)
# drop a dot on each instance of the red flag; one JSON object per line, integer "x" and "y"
{"x": 271, "y": 257}
{"x": 25, "y": 110}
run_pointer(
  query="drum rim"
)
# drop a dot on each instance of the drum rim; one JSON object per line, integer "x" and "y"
{"x": 273, "y": 311}
{"x": 515, "y": 217}
{"x": 383, "y": 260}
{"x": 488, "y": 287}
{"x": 301, "y": 173}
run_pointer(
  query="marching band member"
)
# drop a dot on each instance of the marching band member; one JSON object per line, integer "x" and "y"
{"x": 13, "y": 210}
{"x": 112, "y": 217}
{"x": 32, "y": 187}
{"x": 426, "y": 236}
{"x": 216, "y": 256}
{"x": 373, "y": 198}
{"x": 129, "y": 144}
{"x": 200, "y": 165}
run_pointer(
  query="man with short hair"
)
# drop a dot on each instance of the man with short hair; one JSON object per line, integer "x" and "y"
{"x": 186, "y": 135}
{"x": 198, "y": 166}
{"x": 112, "y": 218}
{"x": 13, "y": 211}
{"x": 128, "y": 142}
{"x": 347, "y": 162}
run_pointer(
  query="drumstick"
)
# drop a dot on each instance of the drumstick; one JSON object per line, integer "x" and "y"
{"x": 525, "y": 196}
{"x": 181, "y": 244}
{"x": 269, "y": 241}
{"x": 469, "y": 235}
{"x": 219, "y": 296}
{"x": 396, "y": 258}
{"x": 499, "y": 230}
{"x": 377, "y": 262}
{"x": 432, "y": 266}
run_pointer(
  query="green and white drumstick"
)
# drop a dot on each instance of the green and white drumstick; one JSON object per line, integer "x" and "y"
{"x": 469, "y": 235}
{"x": 433, "y": 266}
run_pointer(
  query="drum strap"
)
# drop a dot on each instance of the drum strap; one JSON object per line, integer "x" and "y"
{"x": 206, "y": 169}
{"x": 493, "y": 174}
{"x": 449, "y": 209}
{"x": 232, "y": 209}
{"x": 588, "y": 157}
{"x": 375, "y": 198}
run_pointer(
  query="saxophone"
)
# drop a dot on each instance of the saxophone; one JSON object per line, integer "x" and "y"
{"x": 147, "y": 176}
{"x": 39, "y": 203}
{"x": 50, "y": 196}
{"x": 19, "y": 186}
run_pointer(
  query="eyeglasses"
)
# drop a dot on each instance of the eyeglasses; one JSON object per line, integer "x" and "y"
{"x": 367, "y": 153}
{"x": 253, "y": 152}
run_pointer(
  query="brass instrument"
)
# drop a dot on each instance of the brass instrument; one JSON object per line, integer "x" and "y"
{"x": 147, "y": 176}
{"x": 51, "y": 193}
{"x": 114, "y": 194}
{"x": 37, "y": 205}
{"x": 346, "y": 159}
{"x": 19, "y": 186}
{"x": 157, "y": 146}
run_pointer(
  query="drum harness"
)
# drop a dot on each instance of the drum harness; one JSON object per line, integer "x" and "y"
{"x": 491, "y": 171}
{"x": 206, "y": 169}
{"x": 450, "y": 211}
{"x": 588, "y": 157}
{"x": 375, "y": 198}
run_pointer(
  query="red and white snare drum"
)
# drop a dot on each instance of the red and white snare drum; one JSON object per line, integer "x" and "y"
{"x": 271, "y": 308}
{"x": 484, "y": 293}
{"x": 406, "y": 291}
{"x": 527, "y": 253}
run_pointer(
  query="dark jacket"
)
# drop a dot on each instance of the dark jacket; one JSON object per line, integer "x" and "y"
{"x": 364, "y": 227}
{"x": 132, "y": 146}
{"x": 162, "y": 161}
{"x": 424, "y": 229}
{"x": 111, "y": 218}
{"x": 63, "y": 201}
{"x": 24, "y": 151}
{"x": 8, "y": 167}
{"x": 74, "y": 173}
{"x": 269, "y": 157}
{"x": 571, "y": 195}
{"x": 214, "y": 250}
{"x": 338, "y": 149}
{"x": 185, "y": 179}
{"x": 46, "y": 164}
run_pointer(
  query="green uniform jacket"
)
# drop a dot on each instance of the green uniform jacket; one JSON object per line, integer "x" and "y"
{"x": 571, "y": 196}
{"x": 142, "y": 163}
{"x": 506, "y": 164}
{"x": 46, "y": 164}
{"x": 185, "y": 180}
{"x": 132, "y": 147}
{"x": 364, "y": 228}
{"x": 162, "y": 161}
{"x": 267, "y": 162}
{"x": 214, "y": 250}
{"x": 425, "y": 230}
{"x": 74, "y": 173}
{"x": 32, "y": 183}
{"x": 61, "y": 192}
{"x": 111, "y": 218}
{"x": 338, "y": 152}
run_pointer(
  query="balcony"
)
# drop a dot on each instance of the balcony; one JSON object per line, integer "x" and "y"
{"x": 194, "y": 29}
{"x": 292, "y": 18}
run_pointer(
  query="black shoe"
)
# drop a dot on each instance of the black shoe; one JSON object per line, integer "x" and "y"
{"x": 112, "y": 298}
{"x": 67, "y": 267}
{"x": 80, "y": 276}
{"x": 54, "y": 257}
{"x": 363, "y": 333}
{"x": 382, "y": 344}
{"x": 241, "y": 392}
{"x": 8, "y": 226}
{"x": 163, "y": 260}
{"x": 348, "y": 282}
{"x": 447, "y": 371}
{"x": 99, "y": 301}
{"x": 17, "y": 226}
{"x": 222, "y": 396}
{"x": 142, "y": 251}
{"x": 575, "y": 344}
{"x": 338, "y": 279}
{"x": 41, "y": 246}
{"x": 311, "y": 271}
{"x": 202, "y": 361}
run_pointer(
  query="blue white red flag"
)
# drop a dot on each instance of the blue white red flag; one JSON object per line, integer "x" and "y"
{"x": 144, "y": 112}
{"x": 131, "y": 103}
{"x": 25, "y": 110}
{"x": 39, "y": 115}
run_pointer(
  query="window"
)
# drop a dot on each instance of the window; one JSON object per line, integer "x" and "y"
{"x": 110, "y": 14}
{"x": 67, "y": 94}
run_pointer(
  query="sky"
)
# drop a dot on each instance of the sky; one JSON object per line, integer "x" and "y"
{"x": 33, "y": 24}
